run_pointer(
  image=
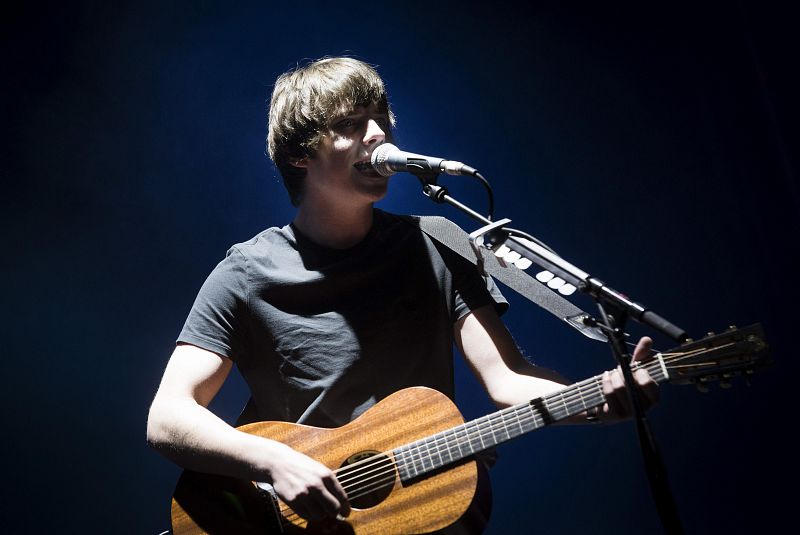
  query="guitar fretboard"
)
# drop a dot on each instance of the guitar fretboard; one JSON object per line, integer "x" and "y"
{"x": 430, "y": 453}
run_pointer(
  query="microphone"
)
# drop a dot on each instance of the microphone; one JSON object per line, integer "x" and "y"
{"x": 388, "y": 160}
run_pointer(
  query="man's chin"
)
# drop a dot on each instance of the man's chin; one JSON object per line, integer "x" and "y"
{"x": 376, "y": 189}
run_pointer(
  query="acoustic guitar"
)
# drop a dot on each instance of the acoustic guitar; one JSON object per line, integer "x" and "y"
{"x": 407, "y": 464}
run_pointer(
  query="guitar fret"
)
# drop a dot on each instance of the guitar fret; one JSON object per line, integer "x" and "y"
{"x": 469, "y": 437}
{"x": 480, "y": 435}
{"x": 547, "y": 416}
{"x": 451, "y": 439}
{"x": 413, "y": 465}
{"x": 499, "y": 428}
{"x": 427, "y": 456}
{"x": 447, "y": 452}
{"x": 519, "y": 423}
{"x": 419, "y": 457}
{"x": 404, "y": 467}
{"x": 537, "y": 419}
{"x": 438, "y": 451}
{"x": 503, "y": 426}
{"x": 492, "y": 430}
{"x": 564, "y": 402}
{"x": 459, "y": 441}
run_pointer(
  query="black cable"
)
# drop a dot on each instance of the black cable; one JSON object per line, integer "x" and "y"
{"x": 489, "y": 194}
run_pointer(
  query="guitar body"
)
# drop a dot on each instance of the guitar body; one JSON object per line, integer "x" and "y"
{"x": 215, "y": 504}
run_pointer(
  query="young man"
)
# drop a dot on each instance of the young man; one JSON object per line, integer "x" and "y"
{"x": 332, "y": 313}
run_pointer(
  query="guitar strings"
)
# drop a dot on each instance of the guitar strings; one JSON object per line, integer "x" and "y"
{"x": 489, "y": 422}
{"x": 367, "y": 463}
{"x": 476, "y": 428}
{"x": 532, "y": 414}
{"x": 479, "y": 428}
{"x": 382, "y": 472}
{"x": 384, "y": 468}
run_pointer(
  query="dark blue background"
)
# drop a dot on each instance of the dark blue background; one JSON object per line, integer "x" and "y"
{"x": 653, "y": 146}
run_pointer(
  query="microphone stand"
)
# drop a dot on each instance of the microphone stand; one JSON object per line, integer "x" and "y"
{"x": 615, "y": 309}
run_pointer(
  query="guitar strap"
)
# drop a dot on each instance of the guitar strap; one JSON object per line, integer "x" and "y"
{"x": 455, "y": 238}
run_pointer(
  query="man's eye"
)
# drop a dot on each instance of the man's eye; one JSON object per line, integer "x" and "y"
{"x": 346, "y": 123}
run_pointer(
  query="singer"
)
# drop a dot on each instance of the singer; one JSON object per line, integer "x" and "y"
{"x": 335, "y": 311}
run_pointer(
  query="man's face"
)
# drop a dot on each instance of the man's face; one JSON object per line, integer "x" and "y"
{"x": 341, "y": 169}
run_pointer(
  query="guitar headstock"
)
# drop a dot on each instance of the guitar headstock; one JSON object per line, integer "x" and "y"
{"x": 718, "y": 357}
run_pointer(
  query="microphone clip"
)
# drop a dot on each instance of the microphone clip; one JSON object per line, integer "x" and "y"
{"x": 424, "y": 173}
{"x": 432, "y": 190}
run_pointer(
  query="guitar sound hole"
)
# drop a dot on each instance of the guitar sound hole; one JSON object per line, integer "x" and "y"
{"x": 368, "y": 478}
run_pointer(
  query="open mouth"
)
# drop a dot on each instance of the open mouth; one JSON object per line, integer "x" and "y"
{"x": 365, "y": 168}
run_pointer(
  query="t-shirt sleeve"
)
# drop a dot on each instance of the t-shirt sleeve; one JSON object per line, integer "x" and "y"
{"x": 471, "y": 289}
{"x": 217, "y": 321}
{"x": 479, "y": 291}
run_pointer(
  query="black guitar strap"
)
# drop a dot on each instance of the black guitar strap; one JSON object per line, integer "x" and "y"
{"x": 455, "y": 238}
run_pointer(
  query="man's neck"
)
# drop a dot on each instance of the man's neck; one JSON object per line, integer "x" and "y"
{"x": 332, "y": 226}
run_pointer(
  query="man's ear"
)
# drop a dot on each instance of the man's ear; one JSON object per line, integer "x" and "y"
{"x": 299, "y": 162}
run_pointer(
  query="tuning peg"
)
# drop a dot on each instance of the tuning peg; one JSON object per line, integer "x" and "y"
{"x": 725, "y": 381}
{"x": 710, "y": 333}
{"x": 732, "y": 327}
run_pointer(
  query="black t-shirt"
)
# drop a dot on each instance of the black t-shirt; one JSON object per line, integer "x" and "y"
{"x": 320, "y": 335}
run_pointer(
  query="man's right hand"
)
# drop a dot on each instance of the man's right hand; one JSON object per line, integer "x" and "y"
{"x": 183, "y": 429}
{"x": 307, "y": 486}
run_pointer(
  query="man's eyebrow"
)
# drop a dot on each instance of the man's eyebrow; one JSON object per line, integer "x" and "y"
{"x": 357, "y": 111}
{"x": 343, "y": 114}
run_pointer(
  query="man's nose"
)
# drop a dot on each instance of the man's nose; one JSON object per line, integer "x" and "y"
{"x": 374, "y": 134}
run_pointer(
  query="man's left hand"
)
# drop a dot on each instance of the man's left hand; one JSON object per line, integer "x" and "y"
{"x": 617, "y": 406}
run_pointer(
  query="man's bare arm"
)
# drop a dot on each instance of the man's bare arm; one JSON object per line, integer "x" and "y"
{"x": 509, "y": 379}
{"x": 182, "y": 428}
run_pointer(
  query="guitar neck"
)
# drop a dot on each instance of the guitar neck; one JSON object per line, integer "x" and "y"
{"x": 436, "y": 451}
